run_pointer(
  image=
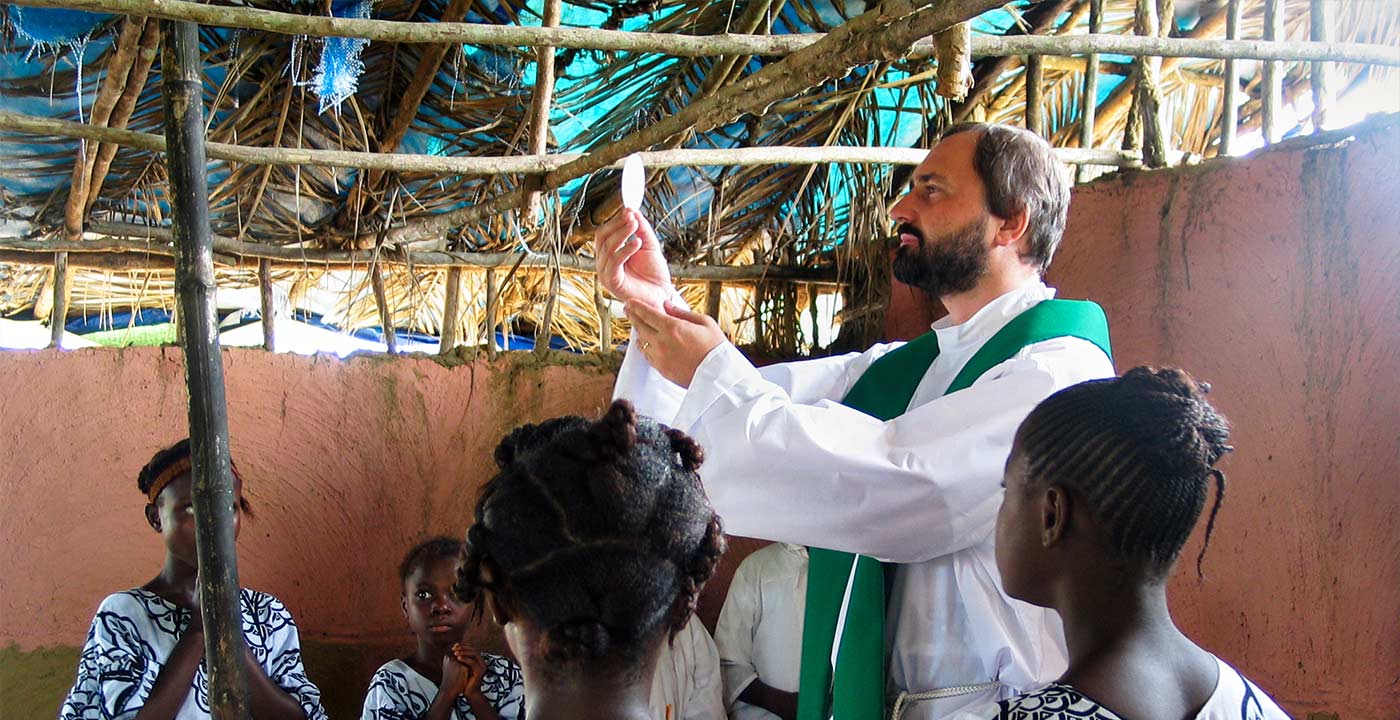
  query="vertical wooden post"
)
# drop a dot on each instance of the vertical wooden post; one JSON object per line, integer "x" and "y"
{"x": 451, "y": 311}
{"x": 605, "y": 342}
{"x": 381, "y": 301}
{"x": 213, "y": 490}
{"x": 540, "y": 103}
{"x": 1146, "y": 22}
{"x": 545, "y": 329}
{"x": 1035, "y": 104}
{"x": 812, "y": 296}
{"x": 492, "y": 300}
{"x": 1090, "y": 104}
{"x": 1321, "y": 31}
{"x": 269, "y": 305}
{"x": 58, "y": 315}
{"x": 1273, "y": 71}
{"x": 1229, "y": 103}
{"x": 714, "y": 293}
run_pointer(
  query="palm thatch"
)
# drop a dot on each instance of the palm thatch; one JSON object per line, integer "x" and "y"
{"x": 476, "y": 103}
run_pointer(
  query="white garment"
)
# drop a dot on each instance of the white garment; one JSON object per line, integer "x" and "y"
{"x": 786, "y": 461}
{"x": 687, "y": 677}
{"x": 134, "y": 633}
{"x": 759, "y": 634}
{"x": 398, "y": 692}
{"x": 1235, "y": 698}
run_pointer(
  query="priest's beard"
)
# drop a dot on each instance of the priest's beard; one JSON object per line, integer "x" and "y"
{"x": 949, "y": 264}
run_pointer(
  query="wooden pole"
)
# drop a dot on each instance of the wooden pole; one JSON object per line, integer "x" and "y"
{"x": 540, "y": 103}
{"x": 1149, "y": 92}
{"x": 605, "y": 342}
{"x": 58, "y": 314}
{"x": 451, "y": 311}
{"x": 545, "y": 329}
{"x": 517, "y": 164}
{"x": 1035, "y": 105}
{"x": 1321, "y": 31}
{"x": 1272, "y": 72}
{"x": 1090, "y": 104}
{"x": 1229, "y": 101}
{"x": 269, "y": 304}
{"x": 381, "y": 301}
{"x": 213, "y": 490}
{"x": 492, "y": 302}
{"x": 714, "y": 293}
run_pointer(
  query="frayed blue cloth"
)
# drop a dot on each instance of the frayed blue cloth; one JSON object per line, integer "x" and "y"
{"x": 338, "y": 74}
{"x": 50, "y": 26}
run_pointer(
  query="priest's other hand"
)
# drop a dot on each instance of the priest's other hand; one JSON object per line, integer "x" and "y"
{"x": 674, "y": 340}
{"x": 630, "y": 263}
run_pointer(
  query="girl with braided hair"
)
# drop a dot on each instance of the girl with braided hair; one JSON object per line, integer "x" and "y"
{"x": 590, "y": 547}
{"x": 1105, "y": 482}
{"x": 144, "y": 655}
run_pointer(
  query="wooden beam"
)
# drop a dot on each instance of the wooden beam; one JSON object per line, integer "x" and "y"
{"x": 1035, "y": 104}
{"x": 1229, "y": 99}
{"x": 679, "y": 45}
{"x": 213, "y": 489}
{"x": 1089, "y": 104}
{"x": 1155, "y": 134}
{"x": 1272, "y": 73}
{"x": 381, "y": 301}
{"x": 540, "y": 102}
{"x": 519, "y": 164}
{"x": 1320, "y": 31}
{"x": 1042, "y": 18}
{"x": 605, "y": 342}
{"x": 58, "y": 314}
{"x": 451, "y": 312}
{"x": 269, "y": 305}
{"x": 493, "y": 302}
{"x": 142, "y": 242}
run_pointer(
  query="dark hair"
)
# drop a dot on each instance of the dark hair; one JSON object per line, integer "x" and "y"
{"x": 166, "y": 457}
{"x": 598, "y": 530}
{"x": 1020, "y": 172}
{"x": 438, "y": 548}
{"x": 1140, "y": 451}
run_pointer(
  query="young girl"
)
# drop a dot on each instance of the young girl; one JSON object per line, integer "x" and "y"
{"x": 590, "y": 547}
{"x": 1104, "y": 484}
{"x": 144, "y": 656}
{"x": 442, "y": 679}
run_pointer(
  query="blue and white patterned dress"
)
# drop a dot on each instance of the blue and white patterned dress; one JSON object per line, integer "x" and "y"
{"x": 398, "y": 692}
{"x": 1235, "y": 698}
{"x": 134, "y": 633}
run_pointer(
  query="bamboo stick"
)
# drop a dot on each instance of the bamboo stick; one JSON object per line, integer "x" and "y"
{"x": 381, "y": 302}
{"x": 148, "y": 245}
{"x": 540, "y": 102}
{"x": 1035, "y": 105}
{"x": 1090, "y": 104}
{"x": 269, "y": 305}
{"x": 1272, "y": 73}
{"x": 1229, "y": 102}
{"x": 1320, "y": 31}
{"x": 519, "y": 164}
{"x": 213, "y": 490}
{"x": 605, "y": 342}
{"x": 493, "y": 300}
{"x": 451, "y": 312}
{"x": 58, "y": 314}
{"x": 679, "y": 45}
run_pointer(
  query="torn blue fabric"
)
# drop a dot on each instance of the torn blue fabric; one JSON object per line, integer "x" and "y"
{"x": 338, "y": 74}
{"x": 49, "y": 26}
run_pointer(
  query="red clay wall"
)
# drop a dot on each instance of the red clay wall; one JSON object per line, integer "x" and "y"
{"x": 1277, "y": 279}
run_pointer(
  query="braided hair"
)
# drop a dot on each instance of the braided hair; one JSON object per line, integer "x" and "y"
{"x": 599, "y": 531}
{"x": 1140, "y": 451}
{"x": 166, "y": 457}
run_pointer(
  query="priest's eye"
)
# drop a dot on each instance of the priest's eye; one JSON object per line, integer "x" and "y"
{"x": 423, "y": 595}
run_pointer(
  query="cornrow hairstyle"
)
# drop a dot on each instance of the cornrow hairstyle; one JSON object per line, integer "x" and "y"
{"x": 169, "y": 456}
{"x": 1140, "y": 451}
{"x": 598, "y": 530}
{"x": 438, "y": 548}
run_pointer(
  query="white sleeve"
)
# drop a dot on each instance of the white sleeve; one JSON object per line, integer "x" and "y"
{"x": 706, "y": 701}
{"x": 922, "y": 485}
{"x": 734, "y": 633}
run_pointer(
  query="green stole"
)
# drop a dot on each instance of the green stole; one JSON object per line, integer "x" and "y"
{"x": 884, "y": 390}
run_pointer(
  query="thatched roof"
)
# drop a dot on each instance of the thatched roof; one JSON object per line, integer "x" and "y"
{"x": 259, "y": 91}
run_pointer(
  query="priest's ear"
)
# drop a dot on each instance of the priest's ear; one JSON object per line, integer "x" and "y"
{"x": 1054, "y": 514}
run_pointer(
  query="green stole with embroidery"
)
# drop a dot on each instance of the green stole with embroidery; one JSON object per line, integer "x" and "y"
{"x": 850, "y": 684}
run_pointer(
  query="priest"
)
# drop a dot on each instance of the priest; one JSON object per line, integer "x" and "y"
{"x": 888, "y": 463}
